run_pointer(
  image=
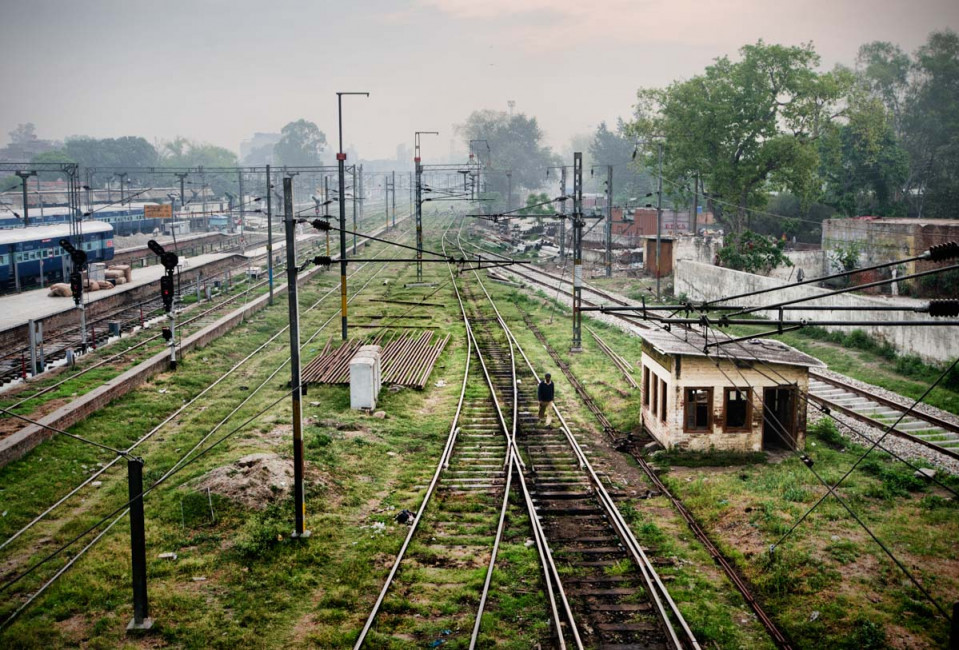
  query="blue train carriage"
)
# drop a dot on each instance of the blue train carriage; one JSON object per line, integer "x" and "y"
{"x": 50, "y": 215}
{"x": 25, "y": 251}
{"x": 127, "y": 219}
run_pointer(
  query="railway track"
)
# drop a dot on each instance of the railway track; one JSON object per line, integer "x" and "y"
{"x": 55, "y": 525}
{"x": 602, "y": 589}
{"x": 128, "y": 318}
{"x": 882, "y": 413}
{"x": 612, "y": 595}
{"x": 937, "y": 434}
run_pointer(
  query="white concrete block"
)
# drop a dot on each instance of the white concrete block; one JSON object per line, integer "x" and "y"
{"x": 365, "y": 377}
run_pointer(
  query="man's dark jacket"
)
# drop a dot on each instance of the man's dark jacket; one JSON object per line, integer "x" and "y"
{"x": 545, "y": 393}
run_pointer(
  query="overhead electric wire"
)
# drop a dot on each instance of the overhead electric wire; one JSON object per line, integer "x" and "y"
{"x": 64, "y": 433}
{"x": 829, "y": 489}
{"x": 180, "y": 465}
{"x": 157, "y": 428}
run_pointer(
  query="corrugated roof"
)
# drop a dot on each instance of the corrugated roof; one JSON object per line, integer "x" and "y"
{"x": 691, "y": 343}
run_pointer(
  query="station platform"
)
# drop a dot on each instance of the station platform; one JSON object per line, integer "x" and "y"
{"x": 17, "y": 309}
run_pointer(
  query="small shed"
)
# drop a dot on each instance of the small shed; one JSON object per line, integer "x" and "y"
{"x": 745, "y": 396}
{"x": 653, "y": 265}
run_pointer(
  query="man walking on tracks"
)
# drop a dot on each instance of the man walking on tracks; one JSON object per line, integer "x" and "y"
{"x": 545, "y": 396}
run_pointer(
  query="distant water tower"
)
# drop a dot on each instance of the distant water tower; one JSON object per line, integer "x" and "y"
{"x": 511, "y": 103}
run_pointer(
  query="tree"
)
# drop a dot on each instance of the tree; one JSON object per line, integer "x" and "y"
{"x": 931, "y": 125}
{"x": 127, "y": 151}
{"x": 515, "y": 145}
{"x": 616, "y": 148}
{"x": 862, "y": 165}
{"x": 181, "y": 152}
{"x": 743, "y": 126}
{"x": 752, "y": 253}
{"x": 301, "y": 144}
{"x": 883, "y": 71}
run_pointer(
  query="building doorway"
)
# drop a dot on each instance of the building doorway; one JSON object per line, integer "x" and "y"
{"x": 779, "y": 418}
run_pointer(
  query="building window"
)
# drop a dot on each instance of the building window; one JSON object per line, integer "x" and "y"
{"x": 737, "y": 408}
{"x": 662, "y": 400}
{"x": 646, "y": 386}
{"x": 699, "y": 403}
{"x": 655, "y": 397}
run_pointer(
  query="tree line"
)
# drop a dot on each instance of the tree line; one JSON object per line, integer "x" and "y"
{"x": 778, "y": 145}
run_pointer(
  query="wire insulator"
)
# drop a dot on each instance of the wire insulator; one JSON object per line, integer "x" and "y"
{"x": 321, "y": 224}
{"x": 323, "y": 260}
{"x": 947, "y": 251}
{"x": 947, "y": 308}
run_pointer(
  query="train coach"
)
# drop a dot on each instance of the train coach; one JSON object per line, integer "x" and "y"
{"x": 28, "y": 253}
{"x": 126, "y": 219}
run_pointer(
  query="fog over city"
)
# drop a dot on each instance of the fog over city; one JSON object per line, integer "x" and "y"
{"x": 218, "y": 71}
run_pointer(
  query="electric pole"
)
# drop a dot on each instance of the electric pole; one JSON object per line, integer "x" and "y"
{"x": 291, "y": 271}
{"x": 393, "y": 189}
{"x": 26, "y": 210}
{"x": 609, "y": 221}
{"x": 269, "y": 230}
{"x": 659, "y": 223}
{"x": 577, "y": 345}
{"x": 562, "y": 221}
{"x": 354, "y": 208}
{"x": 417, "y": 160}
{"x": 341, "y": 164}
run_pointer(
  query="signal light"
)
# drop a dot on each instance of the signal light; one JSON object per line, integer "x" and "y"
{"x": 166, "y": 291}
{"x": 78, "y": 257}
{"x": 76, "y": 286}
{"x": 167, "y": 333}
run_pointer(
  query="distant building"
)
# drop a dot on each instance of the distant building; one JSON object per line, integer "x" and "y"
{"x": 751, "y": 401}
{"x": 880, "y": 240}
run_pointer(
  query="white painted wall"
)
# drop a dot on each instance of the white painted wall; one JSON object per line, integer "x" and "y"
{"x": 934, "y": 344}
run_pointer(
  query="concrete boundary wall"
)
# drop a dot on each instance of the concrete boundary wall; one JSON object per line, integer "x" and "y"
{"x": 20, "y": 443}
{"x": 707, "y": 282}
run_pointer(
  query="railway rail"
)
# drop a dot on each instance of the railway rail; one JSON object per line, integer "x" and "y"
{"x": 191, "y": 405}
{"x": 577, "y": 528}
{"x": 882, "y": 413}
{"x": 929, "y": 431}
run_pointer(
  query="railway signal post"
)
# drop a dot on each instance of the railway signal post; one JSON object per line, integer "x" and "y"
{"x": 169, "y": 260}
{"x": 295, "y": 377}
{"x": 79, "y": 259}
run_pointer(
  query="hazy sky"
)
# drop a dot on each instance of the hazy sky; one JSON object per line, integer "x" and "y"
{"x": 220, "y": 70}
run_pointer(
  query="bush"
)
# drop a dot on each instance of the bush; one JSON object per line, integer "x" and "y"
{"x": 827, "y": 432}
{"x": 753, "y": 253}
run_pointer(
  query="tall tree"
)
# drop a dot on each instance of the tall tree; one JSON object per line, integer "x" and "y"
{"x": 883, "y": 70}
{"x": 181, "y": 152}
{"x": 745, "y": 125}
{"x": 516, "y": 145}
{"x": 862, "y": 165}
{"x": 616, "y": 148}
{"x": 931, "y": 125}
{"x": 301, "y": 143}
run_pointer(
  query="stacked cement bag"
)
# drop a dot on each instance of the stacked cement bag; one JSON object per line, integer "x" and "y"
{"x": 60, "y": 290}
{"x": 116, "y": 276}
{"x": 126, "y": 269}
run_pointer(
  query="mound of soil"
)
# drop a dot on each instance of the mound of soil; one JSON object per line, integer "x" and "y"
{"x": 255, "y": 481}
